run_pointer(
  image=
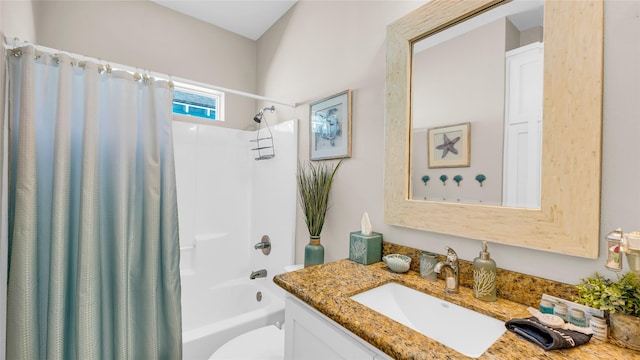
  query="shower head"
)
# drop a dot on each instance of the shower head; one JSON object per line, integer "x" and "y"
{"x": 258, "y": 117}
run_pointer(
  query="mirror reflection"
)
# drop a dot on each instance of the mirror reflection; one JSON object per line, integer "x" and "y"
{"x": 476, "y": 109}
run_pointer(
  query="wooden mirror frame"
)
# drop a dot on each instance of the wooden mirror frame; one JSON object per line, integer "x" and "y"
{"x": 568, "y": 221}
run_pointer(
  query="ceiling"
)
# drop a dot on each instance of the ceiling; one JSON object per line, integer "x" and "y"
{"x": 522, "y": 14}
{"x": 249, "y": 18}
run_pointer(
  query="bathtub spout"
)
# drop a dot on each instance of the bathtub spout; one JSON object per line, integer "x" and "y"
{"x": 258, "y": 274}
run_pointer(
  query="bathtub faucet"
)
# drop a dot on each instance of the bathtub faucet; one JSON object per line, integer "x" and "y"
{"x": 258, "y": 274}
{"x": 264, "y": 244}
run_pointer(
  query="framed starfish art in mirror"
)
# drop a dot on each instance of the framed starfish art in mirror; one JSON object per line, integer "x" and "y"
{"x": 449, "y": 146}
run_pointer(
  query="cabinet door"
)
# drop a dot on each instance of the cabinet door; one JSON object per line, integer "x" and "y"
{"x": 310, "y": 335}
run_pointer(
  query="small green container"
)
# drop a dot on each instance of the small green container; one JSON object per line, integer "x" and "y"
{"x": 365, "y": 249}
{"x": 313, "y": 253}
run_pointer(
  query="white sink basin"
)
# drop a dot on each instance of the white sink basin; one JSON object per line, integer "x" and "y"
{"x": 459, "y": 328}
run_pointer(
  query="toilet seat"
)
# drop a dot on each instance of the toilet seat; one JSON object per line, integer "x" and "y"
{"x": 290, "y": 268}
{"x": 265, "y": 343}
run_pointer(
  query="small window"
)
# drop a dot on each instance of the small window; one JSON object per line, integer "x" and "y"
{"x": 206, "y": 104}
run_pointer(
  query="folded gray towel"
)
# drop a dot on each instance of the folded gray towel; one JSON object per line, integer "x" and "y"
{"x": 546, "y": 337}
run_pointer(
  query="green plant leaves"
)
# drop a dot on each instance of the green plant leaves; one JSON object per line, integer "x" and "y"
{"x": 622, "y": 296}
{"x": 314, "y": 184}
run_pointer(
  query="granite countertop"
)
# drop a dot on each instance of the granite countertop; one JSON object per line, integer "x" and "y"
{"x": 328, "y": 289}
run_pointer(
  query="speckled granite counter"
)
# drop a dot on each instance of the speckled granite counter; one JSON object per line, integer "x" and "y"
{"x": 328, "y": 289}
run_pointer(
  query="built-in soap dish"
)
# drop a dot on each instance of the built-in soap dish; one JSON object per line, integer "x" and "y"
{"x": 397, "y": 263}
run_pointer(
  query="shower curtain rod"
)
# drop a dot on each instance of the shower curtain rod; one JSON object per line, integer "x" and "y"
{"x": 19, "y": 43}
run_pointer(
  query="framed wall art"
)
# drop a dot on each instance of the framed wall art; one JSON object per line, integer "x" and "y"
{"x": 448, "y": 146}
{"x": 330, "y": 127}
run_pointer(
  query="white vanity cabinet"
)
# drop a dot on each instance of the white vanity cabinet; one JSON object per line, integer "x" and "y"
{"x": 311, "y": 335}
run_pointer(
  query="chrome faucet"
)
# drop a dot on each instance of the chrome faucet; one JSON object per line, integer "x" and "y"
{"x": 258, "y": 274}
{"x": 449, "y": 268}
{"x": 264, "y": 244}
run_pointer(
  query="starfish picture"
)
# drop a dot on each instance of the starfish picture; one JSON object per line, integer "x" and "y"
{"x": 448, "y": 145}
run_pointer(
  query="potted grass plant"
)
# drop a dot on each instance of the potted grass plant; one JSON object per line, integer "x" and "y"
{"x": 621, "y": 300}
{"x": 314, "y": 184}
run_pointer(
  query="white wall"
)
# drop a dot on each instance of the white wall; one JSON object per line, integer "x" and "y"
{"x": 322, "y": 48}
{"x": 305, "y": 57}
{"x": 18, "y": 20}
{"x": 146, "y": 35}
{"x": 226, "y": 197}
{"x": 459, "y": 81}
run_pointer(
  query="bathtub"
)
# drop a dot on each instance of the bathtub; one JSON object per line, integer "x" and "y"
{"x": 222, "y": 312}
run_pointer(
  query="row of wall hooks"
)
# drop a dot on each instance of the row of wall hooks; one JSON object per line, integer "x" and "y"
{"x": 480, "y": 178}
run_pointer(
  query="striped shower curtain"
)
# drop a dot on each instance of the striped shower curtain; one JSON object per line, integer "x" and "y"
{"x": 93, "y": 226}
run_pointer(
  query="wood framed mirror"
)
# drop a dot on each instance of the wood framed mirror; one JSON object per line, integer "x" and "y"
{"x": 568, "y": 219}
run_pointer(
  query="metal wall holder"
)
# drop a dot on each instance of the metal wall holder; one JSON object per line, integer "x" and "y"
{"x": 264, "y": 147}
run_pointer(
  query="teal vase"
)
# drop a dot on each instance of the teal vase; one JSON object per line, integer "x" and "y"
{"x": 313, "y": 252}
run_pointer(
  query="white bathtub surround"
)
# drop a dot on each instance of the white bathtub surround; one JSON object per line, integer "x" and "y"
{"x": 226, "y": 311}
{"x": 265, "y": 343}
{"x": 227, "y": 201}
{"x": 244, "y": 347}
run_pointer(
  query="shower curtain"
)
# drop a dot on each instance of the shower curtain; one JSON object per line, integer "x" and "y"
{"x": 93, "y": 226}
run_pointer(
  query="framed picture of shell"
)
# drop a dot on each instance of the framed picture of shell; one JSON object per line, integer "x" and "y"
{"x": 330, "y": 127}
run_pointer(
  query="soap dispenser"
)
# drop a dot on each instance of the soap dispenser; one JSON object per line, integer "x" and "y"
{"x": 484, "y": 276}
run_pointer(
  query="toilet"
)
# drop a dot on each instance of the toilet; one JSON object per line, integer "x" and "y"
{"x": 290, "y": 268}
{"x": 265, "y": 343}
